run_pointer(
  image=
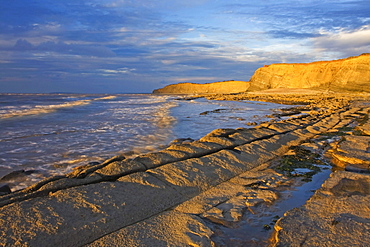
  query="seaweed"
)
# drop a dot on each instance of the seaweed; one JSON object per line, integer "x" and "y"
{"x": 363, "y": 119}
{"x": 302, "y": 158}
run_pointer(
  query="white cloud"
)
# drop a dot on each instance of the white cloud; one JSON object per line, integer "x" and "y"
{"x": 168, "y": 62}
{"x": 122, "y": 30}
{"x": 117, "y": 71}
{"x": 346, "y": 42}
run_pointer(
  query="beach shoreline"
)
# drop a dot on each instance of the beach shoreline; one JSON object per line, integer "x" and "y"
{"x": 191, "y": 185}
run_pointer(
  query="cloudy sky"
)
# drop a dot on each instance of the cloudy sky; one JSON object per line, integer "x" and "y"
{"x": 135, "y": 46}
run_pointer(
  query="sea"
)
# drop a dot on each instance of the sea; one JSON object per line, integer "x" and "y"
{"x": 42, "y": 135}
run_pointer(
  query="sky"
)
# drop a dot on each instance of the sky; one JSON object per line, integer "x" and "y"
{"x": 128, "y": 46}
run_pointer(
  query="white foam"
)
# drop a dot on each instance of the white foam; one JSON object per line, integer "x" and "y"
{"x": 109, "y": 125}
{"x": 9, "y": 112}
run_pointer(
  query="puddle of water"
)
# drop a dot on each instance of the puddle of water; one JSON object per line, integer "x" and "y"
{"x": 256, "y": 226}
{"x": 301, "y": 171}
{"x": 302, "y": 193}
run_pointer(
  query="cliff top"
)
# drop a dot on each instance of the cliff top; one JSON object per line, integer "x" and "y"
{"x": 335, "y": 75}
{"x": 325, "y": 61}
{"x": 195, "y": 88}
{"x": 208, "y": 83}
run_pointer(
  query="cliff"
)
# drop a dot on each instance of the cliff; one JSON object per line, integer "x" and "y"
{"x": 352, "y": 73}
{"x": 216, "y": 87}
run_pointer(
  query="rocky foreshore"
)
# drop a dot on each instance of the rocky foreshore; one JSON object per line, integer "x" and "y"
{"x": 201, "y": 193}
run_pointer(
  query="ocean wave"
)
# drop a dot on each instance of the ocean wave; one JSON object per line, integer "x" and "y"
{"x": 123, "y": 124}
{"x": 44, "y": 109}
{"x": 164, "y": 121}
{"x": 37, "y": 135}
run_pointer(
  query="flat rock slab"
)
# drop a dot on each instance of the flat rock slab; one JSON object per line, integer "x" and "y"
{"x": 337, "y": 215}
{"x": 190, "y": 177}
{"x": 365, "y": 128}
{"x": 153, "y": 199}
{"x": 76, "y": 216}
{"x": 353, "y": 153}
{"x": 166, "y": 229}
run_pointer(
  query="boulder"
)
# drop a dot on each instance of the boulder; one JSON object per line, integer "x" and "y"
{"x": 4, "y": 189}
{"x": 16, "y": 174}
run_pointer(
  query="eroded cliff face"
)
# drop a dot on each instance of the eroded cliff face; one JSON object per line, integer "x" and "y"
{"x": 352, "y": 73}
{"x": 216, "y": 87}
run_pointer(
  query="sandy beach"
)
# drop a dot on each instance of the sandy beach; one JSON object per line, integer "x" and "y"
{"x": 229, "y": 188}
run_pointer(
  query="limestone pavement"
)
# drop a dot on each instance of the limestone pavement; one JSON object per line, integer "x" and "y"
{"x": 169, "y": 197}
{"x": 339, "y": 212}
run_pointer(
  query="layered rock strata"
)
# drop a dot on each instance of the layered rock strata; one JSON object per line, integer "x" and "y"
{"x": 156, "y": 199}
{"x": 194, "y": 88}
{"x": 349, "y": 74}
{"x": 338, "y": 214}
{"x": 352, "y": 73}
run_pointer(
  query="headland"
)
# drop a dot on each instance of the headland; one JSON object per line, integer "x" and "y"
{"x": 208, "y": 88}
{"x": 344, "y": 75}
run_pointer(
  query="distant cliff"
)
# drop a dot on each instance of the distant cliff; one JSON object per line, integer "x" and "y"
{"x": 352, "y": 73}
{"x": 215, "y": 87}
{"x": 349, "y": 74}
